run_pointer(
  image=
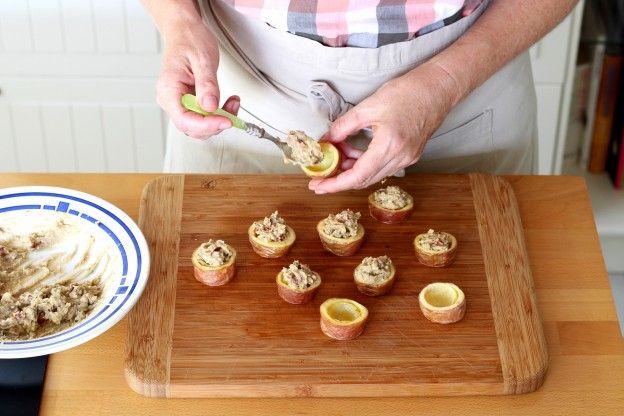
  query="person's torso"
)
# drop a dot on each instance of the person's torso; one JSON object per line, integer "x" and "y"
{"x": 358, "y": 23}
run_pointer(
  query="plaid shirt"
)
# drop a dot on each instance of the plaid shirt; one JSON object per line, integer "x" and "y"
{"x": 360, "y": 23}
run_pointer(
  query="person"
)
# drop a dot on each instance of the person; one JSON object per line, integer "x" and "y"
{"x": 427, "y": 85}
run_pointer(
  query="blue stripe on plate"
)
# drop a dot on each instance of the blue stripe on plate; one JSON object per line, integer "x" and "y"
{"x": 19, "y": 207}
{"x": 62, "y": 206}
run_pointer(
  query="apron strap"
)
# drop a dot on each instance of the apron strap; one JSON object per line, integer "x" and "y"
{"x": 326, "y": 101}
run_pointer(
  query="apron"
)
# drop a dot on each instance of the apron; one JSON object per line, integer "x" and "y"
{"x": 288, "y": 82}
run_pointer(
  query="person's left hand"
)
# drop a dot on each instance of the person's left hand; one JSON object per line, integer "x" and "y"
{"x": 403, "y": 114}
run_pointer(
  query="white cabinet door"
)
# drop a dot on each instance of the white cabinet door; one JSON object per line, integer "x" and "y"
{"x": 548, "y": 107}
{"x": 549, "y": 56}
{"x": 77, "y": 87}
{"x": 553, "y": 59}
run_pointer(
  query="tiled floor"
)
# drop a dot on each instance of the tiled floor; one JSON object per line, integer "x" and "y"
{"x": 617, "y": 287}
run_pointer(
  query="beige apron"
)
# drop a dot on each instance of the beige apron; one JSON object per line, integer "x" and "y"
{"x": 288, "y": 82}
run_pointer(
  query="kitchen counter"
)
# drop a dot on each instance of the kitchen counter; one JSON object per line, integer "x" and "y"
{"x": 586, "y": 372}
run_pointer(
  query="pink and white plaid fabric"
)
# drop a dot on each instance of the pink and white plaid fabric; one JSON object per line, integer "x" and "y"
{"x": 360, "y": 23}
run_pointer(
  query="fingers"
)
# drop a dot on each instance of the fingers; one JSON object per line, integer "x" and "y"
{"x": 347, "y": 164}
{"x": 349, "y": 151}
{"x": 204, "y": 72}
{"x": 206, "y": 89}
{"x": 359, "y": 176}
{"x": 350, "y": 123}
{"x": 232, "y": 105}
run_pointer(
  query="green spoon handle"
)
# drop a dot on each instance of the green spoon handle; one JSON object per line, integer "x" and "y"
{"x": 189, "y": 101}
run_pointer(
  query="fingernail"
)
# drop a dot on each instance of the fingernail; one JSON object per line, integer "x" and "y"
{"x": 224, "y": 125}
{"x": 320, "y": 192}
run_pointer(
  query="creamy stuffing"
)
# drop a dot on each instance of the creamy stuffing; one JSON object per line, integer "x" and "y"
{"x": 299, "y": 276}
{"x": 271, "y": 228}
{"x": 342, "y": 225}
{"x": 392, "y": 197}
{"x": 374, "y": 270}
{"x": 305, "y": 150}
{"x": 214, "y": 253}
{"x": 435, "y": 241}
{"x": 46, "y": 309}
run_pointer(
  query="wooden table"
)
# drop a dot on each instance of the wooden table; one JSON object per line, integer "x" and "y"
{"x": 586, "y": 374}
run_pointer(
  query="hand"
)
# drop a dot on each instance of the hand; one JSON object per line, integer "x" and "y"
{"x": 403, "y": 114}
{"x": 190, "y": 62}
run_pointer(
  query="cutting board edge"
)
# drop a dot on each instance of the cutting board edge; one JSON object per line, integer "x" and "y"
{"x": 291, "y": 390}
{"x": 147, "y": 367}
{"x": 524, "y": 368}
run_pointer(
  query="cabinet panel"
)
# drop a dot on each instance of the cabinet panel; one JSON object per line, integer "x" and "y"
{"x": 8, "y": 154}
{"x": 78, "y": 30}
{"x": 548, "y": 108}
{"x": 46, "y": 27}
{"x": 57, "y": 127}
{"x": 549, "y": 56}
{"x": 28, "y": 136}
{"x": 15, "y": 26}
{"x": 67, "y": 136}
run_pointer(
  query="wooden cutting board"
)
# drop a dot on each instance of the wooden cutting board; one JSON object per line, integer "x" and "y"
{"x": 186, "y": 339}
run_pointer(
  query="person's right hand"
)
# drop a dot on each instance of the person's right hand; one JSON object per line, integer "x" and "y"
{"x": 190, "y": 62}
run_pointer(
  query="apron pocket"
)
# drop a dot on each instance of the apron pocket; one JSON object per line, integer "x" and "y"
{"x": 468, "y": 147}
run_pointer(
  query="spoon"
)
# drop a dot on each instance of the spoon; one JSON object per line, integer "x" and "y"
{"x": 189, "y": 101}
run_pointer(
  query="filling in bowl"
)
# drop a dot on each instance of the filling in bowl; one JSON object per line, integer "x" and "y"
{"x": 54, "y": 272}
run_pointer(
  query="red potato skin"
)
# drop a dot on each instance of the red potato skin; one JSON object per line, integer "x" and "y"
{"x": 371, "y": 290}
{"x": 342, "y": 332}
{"x": 436, "y": 260}
{"x": 445, "y": 317}
{"x": 342, "y": 250}
{"x": 217, "y": 277}
{"x": 387, "y": 216}
{"x": 294, "y": 297}
{"x": 268, "y": 252}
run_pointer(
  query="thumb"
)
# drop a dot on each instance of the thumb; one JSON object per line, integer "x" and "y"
{"x": 206, "y": 86}
{"x": 344, "y": 126}
{"x": 232, "y": 105}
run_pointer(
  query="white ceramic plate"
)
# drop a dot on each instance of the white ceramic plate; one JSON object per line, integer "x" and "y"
{"x": 112, "y": 229}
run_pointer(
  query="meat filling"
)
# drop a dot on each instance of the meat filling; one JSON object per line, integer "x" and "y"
{"x": 271, "y": 228}
{"x": 299, "y": 276}
{"x": 46, "y": 309}
{"x": 391, "y": 197}
{"x": 374, "y": 270}
{"x": 305, "y": 150}
{"x": 342, "y": 225}
{"x": 435, "y": 241}
{"x": 214, "y": 253}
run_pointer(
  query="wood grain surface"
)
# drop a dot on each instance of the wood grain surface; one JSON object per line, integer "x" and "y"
{"x": 585, "y": 346}
{"x": 521, "y": 343}
{"x": 242, "y": 340}
{"x": 150, "y": 355}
